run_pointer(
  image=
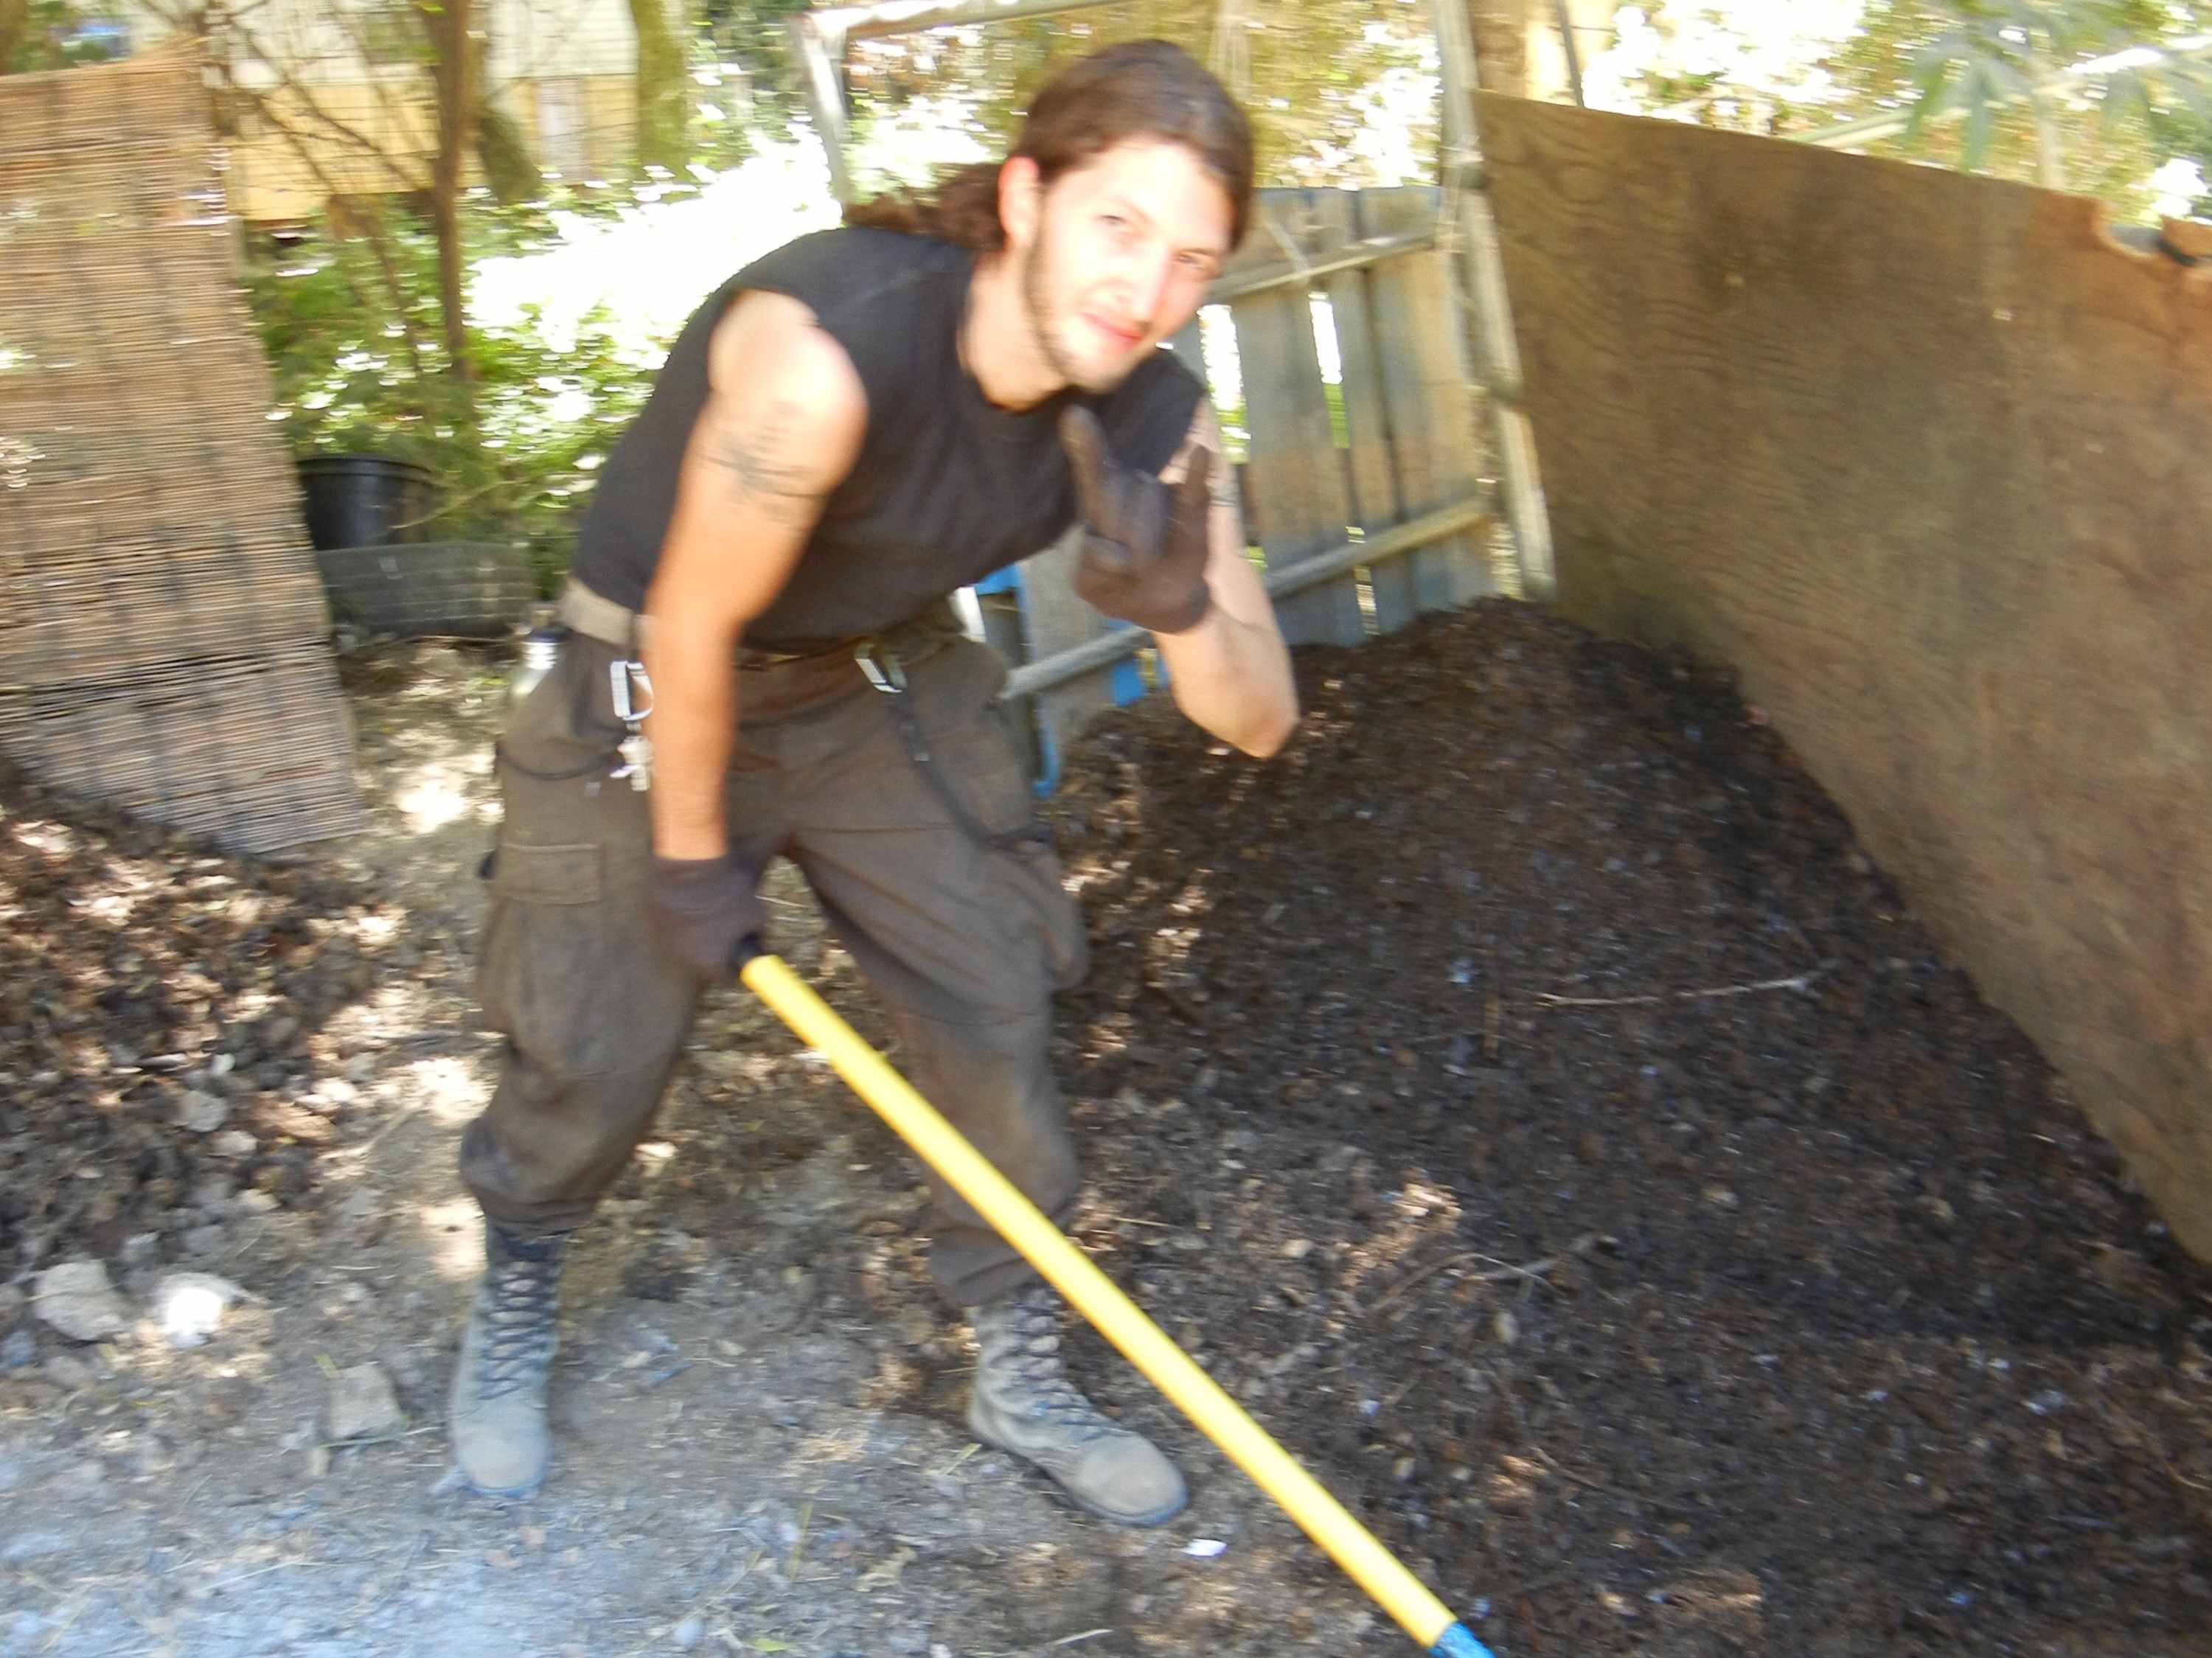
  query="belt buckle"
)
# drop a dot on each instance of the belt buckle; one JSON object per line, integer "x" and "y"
{"x": 887, "y": 676}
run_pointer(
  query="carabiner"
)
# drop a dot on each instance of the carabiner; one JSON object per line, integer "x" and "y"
{"x": 620, "y": 676}
{"x": 887, "y": 676}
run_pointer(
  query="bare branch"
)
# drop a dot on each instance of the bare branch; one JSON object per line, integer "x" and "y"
{"x": 372, "y": 220}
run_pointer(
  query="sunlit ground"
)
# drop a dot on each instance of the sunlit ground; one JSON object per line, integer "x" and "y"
{"x": 438, "y": 792}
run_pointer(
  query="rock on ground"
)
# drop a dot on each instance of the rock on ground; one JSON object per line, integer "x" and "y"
{"x": 362, "y": 1405}
{"x": 77, "y": 1299}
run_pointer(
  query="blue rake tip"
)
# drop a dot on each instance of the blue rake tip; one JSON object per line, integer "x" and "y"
{"x": 1458, "y": 1643}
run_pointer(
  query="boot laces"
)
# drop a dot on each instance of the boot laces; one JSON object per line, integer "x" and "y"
{"x": 1023, "y": 1335}
{"x": 516, "y": 1308}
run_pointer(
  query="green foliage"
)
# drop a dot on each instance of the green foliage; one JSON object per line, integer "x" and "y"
{"x": 1988, "y": 53}
{"x": 45, "y": 34}
{"x": 663, "y": 90}
{"x": 354, "y": 333}
{"x": 750, "y": 35}
{"x": 1975, "y": 100}
{"x": 513, "y": 453}
{"x": 1306, "y": 67}
{"x": 2189, "y": 137}
{"x": 1963, "y": 73}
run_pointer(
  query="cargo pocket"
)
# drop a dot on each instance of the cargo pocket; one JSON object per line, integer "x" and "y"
{"x": 567, "y": 972}
{"x": 997, "y": 788}
{"x": 1030, "y": 872}
{"x": 978, "y": 756}
{"x": 568, "y": 876}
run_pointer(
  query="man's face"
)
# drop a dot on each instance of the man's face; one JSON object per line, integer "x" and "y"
{"x": 1116, "y": 256}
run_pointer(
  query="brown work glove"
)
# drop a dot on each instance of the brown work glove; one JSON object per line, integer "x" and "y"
{"x": 704, "y": 909}
{"x": 1144, "y": 544}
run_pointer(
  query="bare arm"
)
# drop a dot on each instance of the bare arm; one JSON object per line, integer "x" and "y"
{"x": 782, "y": 423}
{"x": 1231, "y": 673}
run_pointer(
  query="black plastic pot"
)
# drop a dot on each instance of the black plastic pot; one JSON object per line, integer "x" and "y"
{"x": 364, "y": 500}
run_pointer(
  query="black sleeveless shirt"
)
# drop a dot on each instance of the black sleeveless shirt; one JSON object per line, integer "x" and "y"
{"x": 947, "y": 487}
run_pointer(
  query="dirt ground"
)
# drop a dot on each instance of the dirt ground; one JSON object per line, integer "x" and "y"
{"x": 1521, "y": 1092}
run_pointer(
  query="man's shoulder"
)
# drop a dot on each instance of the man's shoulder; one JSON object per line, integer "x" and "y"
{"x": 772, "y": 339}
{"x": 849, "y": 265}
{"x": 1166, "y": 371}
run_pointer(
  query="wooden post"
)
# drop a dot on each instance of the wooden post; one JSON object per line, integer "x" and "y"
{"x": 819, "y": 41}
{"x": 1486, "y": 313}
{"x": 1570, "y": 50}
{"x": 1295, "y": 469}
{"x": 1422, "y": 352}
{"x": 1055, "y": 619}
{"x": 1375, "y": 499}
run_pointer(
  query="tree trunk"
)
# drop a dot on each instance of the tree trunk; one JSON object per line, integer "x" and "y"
{"x": 2049, "y": 158}
{"x": 662, "y": 96}
{"x": 455, "y": 68}
{"x": 508, "y": 167}
{"x": 14, "y": 25}
{"x": 2050, "y": 153}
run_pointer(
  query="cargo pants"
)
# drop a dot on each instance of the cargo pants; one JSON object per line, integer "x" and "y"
{"x": 964, "y": 940}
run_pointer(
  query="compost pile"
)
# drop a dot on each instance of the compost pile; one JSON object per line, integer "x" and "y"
{"x": 1521, "y": 1091}
{"x": 164, "y": 1068}
{"x": 1806, "y": 1317}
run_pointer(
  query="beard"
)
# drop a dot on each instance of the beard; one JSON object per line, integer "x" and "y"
{"x": 1048, "y": 323}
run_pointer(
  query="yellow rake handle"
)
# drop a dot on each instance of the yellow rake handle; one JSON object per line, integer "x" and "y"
{"x": 1095, "y": 1296}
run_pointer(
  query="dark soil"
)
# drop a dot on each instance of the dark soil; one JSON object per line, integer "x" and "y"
{"x": 159, "y": 1008}
{"x": 1840, "y": 1331}
{"x": 1808, "y": 1317}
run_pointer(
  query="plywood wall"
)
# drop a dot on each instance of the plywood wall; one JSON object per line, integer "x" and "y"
{"x": 1929, "y": 458}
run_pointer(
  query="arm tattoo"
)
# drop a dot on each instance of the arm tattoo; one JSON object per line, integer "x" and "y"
{"x": 762, "y": 469}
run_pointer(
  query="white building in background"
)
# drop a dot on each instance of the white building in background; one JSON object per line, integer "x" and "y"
{"x": 340, "y": 105}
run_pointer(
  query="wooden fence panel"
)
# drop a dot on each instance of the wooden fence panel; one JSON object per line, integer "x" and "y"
{"x": 1054, "y": 618}
{"x": 1302, "y": 490}
{"x": 1370, "y": 468}
{"x": 1422, "y": 357}
{"x": 1295, "y": 469}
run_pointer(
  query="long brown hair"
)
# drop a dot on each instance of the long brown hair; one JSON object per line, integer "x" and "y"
{"x": 1144, "y": 90}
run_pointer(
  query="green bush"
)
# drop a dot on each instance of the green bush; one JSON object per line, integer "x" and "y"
{"x": 512, "y": 452}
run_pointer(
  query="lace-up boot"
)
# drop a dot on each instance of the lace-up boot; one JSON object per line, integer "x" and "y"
{"x": 1023, "y": 1403}
{"x": 502, "y": 1442}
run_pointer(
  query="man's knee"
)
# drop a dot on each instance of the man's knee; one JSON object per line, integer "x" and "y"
{"x": 994, "y": 1080}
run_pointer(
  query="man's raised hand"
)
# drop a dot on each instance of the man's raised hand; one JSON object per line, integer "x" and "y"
{"x": 1144, "y": 542}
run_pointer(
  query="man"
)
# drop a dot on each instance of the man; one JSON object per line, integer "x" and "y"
{"x": 849, "y": 430}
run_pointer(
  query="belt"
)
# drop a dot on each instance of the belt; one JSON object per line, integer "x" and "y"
{"x": 876, "y": 655}
{"x": 597, "y": 617}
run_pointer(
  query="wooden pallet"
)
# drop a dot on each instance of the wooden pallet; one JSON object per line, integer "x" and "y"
{"x": 1360, "y": 525}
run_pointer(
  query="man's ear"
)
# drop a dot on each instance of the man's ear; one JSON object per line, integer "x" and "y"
{"x": 1021, "y": 200}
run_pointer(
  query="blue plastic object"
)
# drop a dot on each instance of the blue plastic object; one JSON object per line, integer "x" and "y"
{"x": 1125, "y": 680}
{"x": 1459, "y": 1642}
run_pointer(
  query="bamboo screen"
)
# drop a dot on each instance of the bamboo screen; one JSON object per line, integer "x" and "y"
{"x": 164, "y": 634}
